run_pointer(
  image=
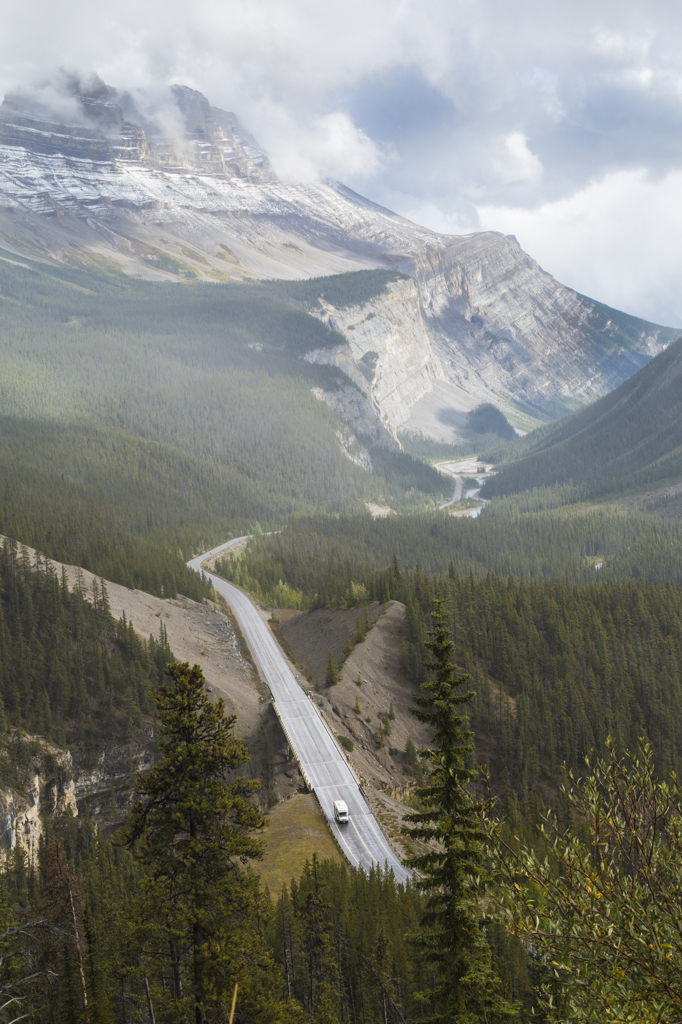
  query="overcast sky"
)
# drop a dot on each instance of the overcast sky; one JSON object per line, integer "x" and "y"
{"x": 559, "y": 122}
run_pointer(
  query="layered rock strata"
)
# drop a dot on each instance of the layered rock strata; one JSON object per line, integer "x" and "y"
{"x": 479, "y": 317}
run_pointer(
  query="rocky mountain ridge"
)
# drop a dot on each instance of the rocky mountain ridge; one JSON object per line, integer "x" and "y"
{"x": 188, "y": 195}
{"x": 627, "y": 443}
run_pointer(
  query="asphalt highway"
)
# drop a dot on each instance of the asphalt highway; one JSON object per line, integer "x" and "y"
{"x": 323, "y": 763}
{"x": 448, "y": 467}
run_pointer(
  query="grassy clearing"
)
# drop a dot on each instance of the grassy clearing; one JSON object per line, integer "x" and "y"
{"x": 297, "y": 829}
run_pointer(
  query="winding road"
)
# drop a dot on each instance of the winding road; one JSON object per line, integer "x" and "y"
{"x": 469, "y": 467}
{"x": 448, "y": 467}
{"x": 323, "y": 764}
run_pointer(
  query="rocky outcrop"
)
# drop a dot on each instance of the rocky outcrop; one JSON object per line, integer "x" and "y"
{"x": 53, "y": 785}
{"x": 388, "y": 342}
{"x": 111, "y": 128}
{"x": 361, "y": 414}
{"x": 49, "y": 790}
{"x": 110, "y": 781}
{"x": 478, "y": 321}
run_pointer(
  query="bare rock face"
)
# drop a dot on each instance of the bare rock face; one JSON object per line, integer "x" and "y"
{"x": 361, "y": 413}
{"x": 496, "y": 317}
{"x": 49, "y": 791}
{"x": 391, "y": 346}
{"x": 111, "y": 128}
{"x": 186, "y": 193}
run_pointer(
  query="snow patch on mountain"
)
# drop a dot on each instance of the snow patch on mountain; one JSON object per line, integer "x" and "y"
{"x": 477, "y": 321}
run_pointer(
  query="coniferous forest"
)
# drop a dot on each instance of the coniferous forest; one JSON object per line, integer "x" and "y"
{"x": 141, "y": 423}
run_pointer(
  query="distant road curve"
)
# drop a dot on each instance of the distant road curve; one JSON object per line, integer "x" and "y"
{"x": 470, "y": 467}
{"x": 446, "y": 467}
{"x": 323, "y": 764}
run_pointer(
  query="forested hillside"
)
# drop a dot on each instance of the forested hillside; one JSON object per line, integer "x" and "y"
{"x": 557, "y": 666}
{"x": 321, "y": 555}
{"x": 628, "y": 441}
{"x": 69, "y": 672}
{"x": 135, "y": 929}
{"x": 141, "y": 422}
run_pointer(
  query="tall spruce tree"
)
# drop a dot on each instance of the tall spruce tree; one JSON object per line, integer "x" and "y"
{"x": 316, "y": 949}
{"x": 465, "y": 989}
{"x": 332, "y": 675}
{"x": 190, "y": 827}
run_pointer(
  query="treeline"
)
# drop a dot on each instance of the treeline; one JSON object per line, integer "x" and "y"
{"x": 558, "y": 669}
{"x": 404, "y": 473}
{"x": 69, "y": 671}
{"x": 340, "y": 937}
{"x": 345, "y": 942}
{"x": 489, "y": 447}
{"x": 339, "y": 290}
{"x": 320, "y": 556}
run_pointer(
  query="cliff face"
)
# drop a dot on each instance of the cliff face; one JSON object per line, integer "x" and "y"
{"x": 481, "y": 321}
{"x": 496, "y": 317}
{"x": 111, "y": 128}
{"x": 478, "y": 321}
{"x": 54, "y": 785}
{"x": 390, "y": 345}
{"x": 49, "y": 790}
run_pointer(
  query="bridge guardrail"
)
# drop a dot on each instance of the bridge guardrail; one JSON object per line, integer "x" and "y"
{"x": 302, "y": 770}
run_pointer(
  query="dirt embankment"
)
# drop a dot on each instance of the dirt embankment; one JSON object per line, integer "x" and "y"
{"x": 312, "y": 635}
{"x": 198, "y": 633}
{"x": 377, "y": 755}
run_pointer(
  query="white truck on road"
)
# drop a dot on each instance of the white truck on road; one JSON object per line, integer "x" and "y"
{"x": 341, "y": 811}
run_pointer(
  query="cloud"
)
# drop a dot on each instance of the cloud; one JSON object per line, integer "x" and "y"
{"x": 440, "y": 106}
{"x": 546, "y": 78}
{"x": 616, "y": 240}
{"x": 623, "y": 47}
{"x": 518, "y": 164}
{"x": 330, "y": 145}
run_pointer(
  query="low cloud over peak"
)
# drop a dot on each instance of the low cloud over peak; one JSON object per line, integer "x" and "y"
{"x": 454, "y": 111}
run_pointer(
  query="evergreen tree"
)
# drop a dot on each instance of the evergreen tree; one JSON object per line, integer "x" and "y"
{"x": 316, "y": 949}
{"x": 190, "y": 828}
{"x": 61, "y": 898}
{"x": 25, "y": 971}
{"x": 332, "y": 676}
{"x": 464, "y": 990}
